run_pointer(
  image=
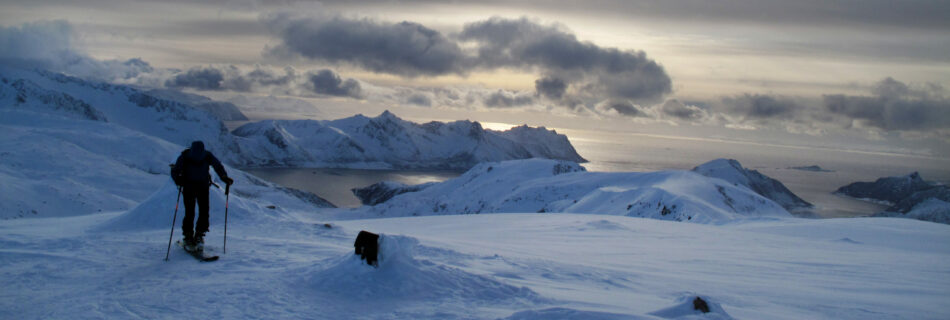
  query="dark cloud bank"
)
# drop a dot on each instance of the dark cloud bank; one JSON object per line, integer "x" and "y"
{"x": 410, "y": 49}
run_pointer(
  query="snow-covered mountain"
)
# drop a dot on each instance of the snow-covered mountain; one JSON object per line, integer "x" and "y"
{"x": 888, "y": 189}
{"x": 70, "y": 147}
{"x": 61, "y": 95}
{"x": 223, "y": 110}
{"x": 387, "y": 141}
{"x": 910, "y": 196}
{"x": 732, "y": 171}
{"x": 541, "y": 185}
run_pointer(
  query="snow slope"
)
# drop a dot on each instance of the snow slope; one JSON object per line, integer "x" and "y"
{"x": 387, "y": 141}
{"x": 541, "y": 185}
{"x": 70, "y": 147}
{"x": 516, "y": 266}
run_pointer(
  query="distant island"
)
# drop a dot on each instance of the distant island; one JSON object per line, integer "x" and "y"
{"x": 812, "y": 168}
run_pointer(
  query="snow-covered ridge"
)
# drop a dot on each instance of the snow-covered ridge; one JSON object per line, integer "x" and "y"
{"x": 60, "y": 95}
{"x": 910, "y": 196}
{"x": 541, "y": 185}
{"x": 386, "y": 141}
{"x": 732, "y": 171}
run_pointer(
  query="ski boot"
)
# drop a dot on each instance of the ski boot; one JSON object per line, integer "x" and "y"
{"x": 190, "y": 243}
{"x": 199, "y": 242}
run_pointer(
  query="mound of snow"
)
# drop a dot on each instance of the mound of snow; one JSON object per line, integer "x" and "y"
{"x": 685, "y": 309}
{"x": 382, "y": 191}
{"x": 251, "y": 199}
{"x": 541, "y": 185}
{"x": 733, "y": 172}
{"x": 387, "y": 141}
{"x": 889, "y": 189}
{"x": 401, "y": 276}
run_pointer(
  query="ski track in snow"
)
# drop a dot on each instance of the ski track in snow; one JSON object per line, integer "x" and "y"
{"x": 522, "y": 266}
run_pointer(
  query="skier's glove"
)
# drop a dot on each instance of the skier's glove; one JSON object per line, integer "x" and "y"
{"x": 227, "y": 180}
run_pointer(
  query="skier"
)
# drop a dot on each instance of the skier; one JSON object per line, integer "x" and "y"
{"x": 191, "y": 175}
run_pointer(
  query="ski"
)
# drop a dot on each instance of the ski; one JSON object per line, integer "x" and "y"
{"x": 198, "y": 254}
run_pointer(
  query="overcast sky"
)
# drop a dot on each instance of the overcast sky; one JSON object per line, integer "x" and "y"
{"x": 868, "y": 72}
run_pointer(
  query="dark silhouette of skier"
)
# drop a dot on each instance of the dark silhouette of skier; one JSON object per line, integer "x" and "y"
{"x": 191, "y": 175}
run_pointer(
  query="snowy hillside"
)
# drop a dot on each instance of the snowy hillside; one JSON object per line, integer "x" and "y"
{"x": 383, "y": 191}
{"x": 387, "y": 141}
{"x": 52, "y": 93}
{"x": 540, "y": 185}
{"x": 71, "y": 147}
{"x": 732, "y": 171}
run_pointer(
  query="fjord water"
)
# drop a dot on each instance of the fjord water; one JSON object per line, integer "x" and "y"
{"x": 335, "y": 185}
{"x": 616, "y": 151}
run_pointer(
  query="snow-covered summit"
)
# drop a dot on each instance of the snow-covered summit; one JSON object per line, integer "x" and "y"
{"x": 387, "y": 141}
{"x": 732, "y": 171}
{"x": 542, "y": 185}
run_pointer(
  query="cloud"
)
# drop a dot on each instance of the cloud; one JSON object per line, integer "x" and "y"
{"x": 200, "y": 78}
{"x": 549, "y": 87}
{"x": 419, "y": 99}
{"x": 758, "y": 106}
{"x": 50, "y": 45}
{"x": 410, "y": 49}
{"x": 625, "y": 108}
{"x": 329, "y": 83}
{"x": 507, "y": 99}
{"x": 522, "y": 43}
{"x": 405, "y": 48}
{"x": 676, "y": 109}
{"x": 894, "y": 106}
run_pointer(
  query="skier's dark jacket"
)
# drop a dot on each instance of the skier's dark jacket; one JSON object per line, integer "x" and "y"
{"x": 191, "y": 168}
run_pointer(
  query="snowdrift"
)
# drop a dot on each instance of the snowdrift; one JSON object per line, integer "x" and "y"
{"x": 401, "y": 275}
{"x": 251, "y": 200}
{"x": 540, "y": 185}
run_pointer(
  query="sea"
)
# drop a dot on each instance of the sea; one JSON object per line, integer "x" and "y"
{"x": 811, "y": 173}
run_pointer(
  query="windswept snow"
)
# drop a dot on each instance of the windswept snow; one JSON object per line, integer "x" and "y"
{"x": 517, "y": 266}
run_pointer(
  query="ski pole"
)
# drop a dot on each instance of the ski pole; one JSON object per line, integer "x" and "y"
{"x": 175, "y": 217}
{"x": 227, "y": 191}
